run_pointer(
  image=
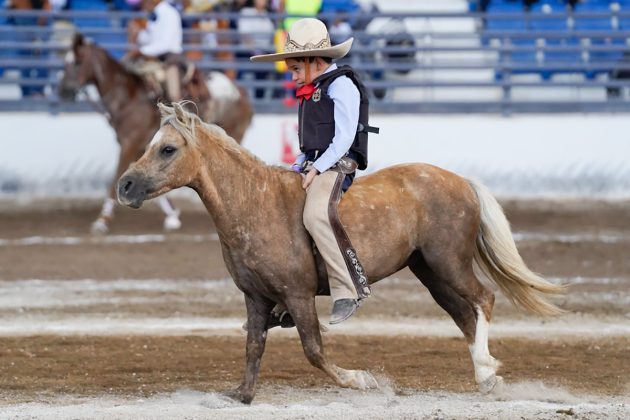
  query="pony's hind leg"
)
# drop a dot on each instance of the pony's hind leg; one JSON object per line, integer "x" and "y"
{"x": 457, "y": 290}
{"x": 305, "y": 317}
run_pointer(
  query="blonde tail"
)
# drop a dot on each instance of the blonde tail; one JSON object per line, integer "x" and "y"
{"x": 498, "y": 259}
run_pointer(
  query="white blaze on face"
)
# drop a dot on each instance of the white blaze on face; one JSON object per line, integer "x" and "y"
{"x": 156, "y": 138}
{"x": 69, "y": 58}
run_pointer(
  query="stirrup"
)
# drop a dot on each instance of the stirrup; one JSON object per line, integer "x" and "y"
{"x": 342, "y": 310}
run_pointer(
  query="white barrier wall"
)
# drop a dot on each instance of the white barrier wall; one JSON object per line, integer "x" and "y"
{"x": 533, "y": 156}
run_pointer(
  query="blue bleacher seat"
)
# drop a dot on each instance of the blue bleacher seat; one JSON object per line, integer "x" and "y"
{"x": 495, "y": 23}
{"x": 339, "y": 6}
{"x": 123, "y": 5}
{"x": 4, "y": 36}
{"x": 554, "y": 36}
{"x": 592, "y": 23}
{"x": 90, "y": 5}
{"x": 597, "y": 24}
{"x": 624, "y": 6}
{"x": 93, "y": 26}
{"x": 507, "y": 31}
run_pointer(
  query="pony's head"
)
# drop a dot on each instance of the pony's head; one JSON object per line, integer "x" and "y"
{"x": 171, "y": 160}
{"x": 79, "y": 67}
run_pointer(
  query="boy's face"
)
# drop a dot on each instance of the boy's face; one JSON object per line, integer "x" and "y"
{"x": 298, "y": 69}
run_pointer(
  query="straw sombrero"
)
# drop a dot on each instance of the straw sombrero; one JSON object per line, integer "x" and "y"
{"x": 308, "y": 38}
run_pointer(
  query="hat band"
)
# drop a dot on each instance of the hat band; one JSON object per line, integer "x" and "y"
{"x": 292, "y": 46}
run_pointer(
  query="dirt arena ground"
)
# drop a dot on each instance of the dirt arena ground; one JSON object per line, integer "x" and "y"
{"x": 143, "y": 324}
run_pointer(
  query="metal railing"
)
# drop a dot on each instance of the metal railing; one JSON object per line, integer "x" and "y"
{"x": 436, "y": 69}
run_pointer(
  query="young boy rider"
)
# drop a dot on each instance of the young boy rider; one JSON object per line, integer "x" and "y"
{"x": 333, "y": 125}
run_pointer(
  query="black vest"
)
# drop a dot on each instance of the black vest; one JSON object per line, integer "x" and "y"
{"x": 316, "y": 117}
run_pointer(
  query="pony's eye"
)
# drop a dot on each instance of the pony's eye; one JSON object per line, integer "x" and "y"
{"x": 167, "y": 150}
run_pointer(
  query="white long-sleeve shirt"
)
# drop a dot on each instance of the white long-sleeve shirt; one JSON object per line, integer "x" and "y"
{"x": 164, "y": 34}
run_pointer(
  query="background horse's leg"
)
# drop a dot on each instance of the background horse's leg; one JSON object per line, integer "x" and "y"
{"x": 125, "y": 157}
{"x": 304, "y": 315}
{"x": 457, "y": 290}
{"x": 258, "y": 310}
{"x": 171, "y": 221}
{"x": 101, "y": 224}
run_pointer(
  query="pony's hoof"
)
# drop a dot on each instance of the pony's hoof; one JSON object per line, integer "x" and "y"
{"x": 493, "y": 383}
{"x": 359, "y": 379}
{"x": 240, "y": 396}
{"x": 172, "y": 222}
{"x": 99, "y": 227}
{"x": 368, "y": 381}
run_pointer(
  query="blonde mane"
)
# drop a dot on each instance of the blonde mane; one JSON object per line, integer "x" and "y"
{"x": 185, "y": 123}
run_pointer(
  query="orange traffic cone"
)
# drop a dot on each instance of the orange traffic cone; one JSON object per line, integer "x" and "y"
{"x": 288, "y": 156}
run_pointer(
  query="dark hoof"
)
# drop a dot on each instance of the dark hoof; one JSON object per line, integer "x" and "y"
{"x": 342, "y": 310}
{"x": 238, "y": 395}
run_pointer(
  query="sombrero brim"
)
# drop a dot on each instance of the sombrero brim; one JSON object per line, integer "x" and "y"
{"x": 338, "y": 51}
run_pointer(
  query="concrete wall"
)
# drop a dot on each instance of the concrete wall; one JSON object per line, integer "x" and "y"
{"x": 521, "y": 156}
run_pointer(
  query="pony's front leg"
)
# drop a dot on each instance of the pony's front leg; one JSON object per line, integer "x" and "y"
{"x": 258, "y": 310}
{"x": 101, "y": 225}
{"x": 305, "y": 317}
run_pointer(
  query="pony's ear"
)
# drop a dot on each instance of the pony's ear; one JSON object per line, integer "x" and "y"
{"x": 164, "y": 111}
{"x": 180, "y": 113}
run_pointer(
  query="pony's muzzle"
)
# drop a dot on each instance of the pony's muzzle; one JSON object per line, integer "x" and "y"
{"x": 131, "y": 191}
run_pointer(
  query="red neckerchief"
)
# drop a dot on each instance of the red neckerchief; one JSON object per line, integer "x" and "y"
{"x": 305, "y": 92}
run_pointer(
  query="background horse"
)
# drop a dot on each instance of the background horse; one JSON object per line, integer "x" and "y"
{"x": 448, "y": 230}
{"x": 131, "y": 110}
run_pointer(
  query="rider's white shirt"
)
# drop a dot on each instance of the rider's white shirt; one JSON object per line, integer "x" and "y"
{"x": 164, "y": 34}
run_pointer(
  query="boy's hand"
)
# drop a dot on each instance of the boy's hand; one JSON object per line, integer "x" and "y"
{"x": 308, "y": 179}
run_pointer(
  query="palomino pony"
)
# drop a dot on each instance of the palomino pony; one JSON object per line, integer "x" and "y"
{"x": 132, "y": 113}
{"x": 435, "y": 222}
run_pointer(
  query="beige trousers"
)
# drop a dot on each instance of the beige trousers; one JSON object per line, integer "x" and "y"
{"x": 317, "y": 222}
{"x": 173, "y": 88}
{"x": 158, "y": 74}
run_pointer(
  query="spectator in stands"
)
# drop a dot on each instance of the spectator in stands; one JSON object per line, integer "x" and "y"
{"x": 216, "y": 30}
{"x": 339, "y": 28}
{"x": 31, "y": 74}
{"x": 57, "y": 5}
{"x": 199, "y": 6}
{"x": 62, "y": 29}
{"x": 301, "y": 8}
{"x": 204, "y": 29}
{"x": 161, "y": 41}
{"x": 255, "y": 29}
